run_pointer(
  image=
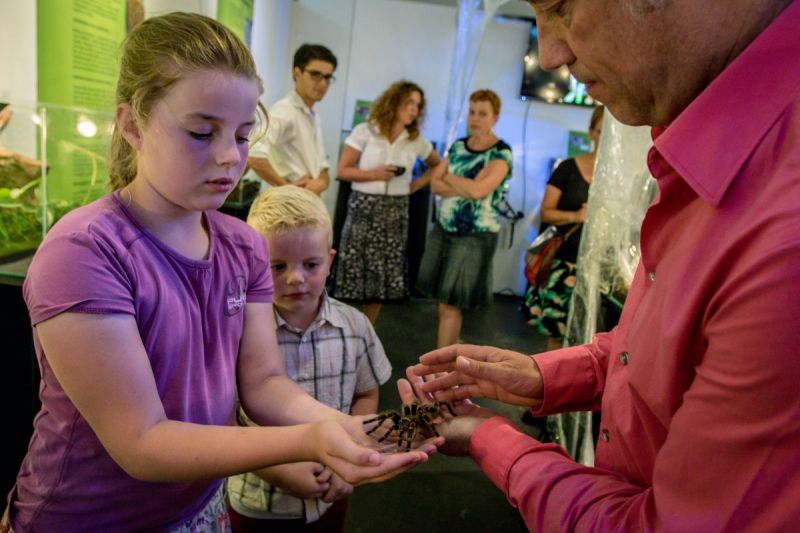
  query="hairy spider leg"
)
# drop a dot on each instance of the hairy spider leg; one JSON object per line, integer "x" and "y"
{"x": 395, "y": 418}
{"x": 430, "y": 426}
{"x": 407, "y": 432}
{"x": 449, "y": 407}
{"x": 379, "y": 419}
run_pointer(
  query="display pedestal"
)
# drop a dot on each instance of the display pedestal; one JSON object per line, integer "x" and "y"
{"x": 20, "y": 391}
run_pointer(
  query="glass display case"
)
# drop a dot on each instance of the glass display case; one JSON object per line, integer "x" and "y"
{"x": 52, "y": 160}
{"x": 238, "y": 202}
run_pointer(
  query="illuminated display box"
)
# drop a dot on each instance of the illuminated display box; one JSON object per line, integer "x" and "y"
{"x": 52, "y": 160}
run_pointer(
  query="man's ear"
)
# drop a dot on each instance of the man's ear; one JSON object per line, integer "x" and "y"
{"x": 128, "y": 126}
{"x": 296, "y": 73}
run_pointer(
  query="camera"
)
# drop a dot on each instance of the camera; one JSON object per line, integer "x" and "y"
{"x": 399, "y": 171}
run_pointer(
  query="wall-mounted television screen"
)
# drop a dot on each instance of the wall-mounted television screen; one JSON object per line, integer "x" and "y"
{"x": 556, "y": 86}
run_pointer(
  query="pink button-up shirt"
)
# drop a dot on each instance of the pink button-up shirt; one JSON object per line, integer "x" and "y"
{"x": 700, "y": 383}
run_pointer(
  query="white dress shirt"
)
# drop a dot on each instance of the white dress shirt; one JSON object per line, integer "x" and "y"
{"x": 293, "y": 141}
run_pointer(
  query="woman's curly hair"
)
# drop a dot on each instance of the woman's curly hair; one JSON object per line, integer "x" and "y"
{"x": 384, "y": 109}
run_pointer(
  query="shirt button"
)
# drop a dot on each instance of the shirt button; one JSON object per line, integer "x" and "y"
{"x": 605, "y": 435}
{"x": 652, "y": 276}
{"x": 623, "y": 358}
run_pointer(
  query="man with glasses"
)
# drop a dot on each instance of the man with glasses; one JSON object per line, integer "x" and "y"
{"x": 292, "y": 151}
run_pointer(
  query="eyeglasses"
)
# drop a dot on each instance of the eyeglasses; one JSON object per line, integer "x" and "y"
{"x": 319, "y": 76}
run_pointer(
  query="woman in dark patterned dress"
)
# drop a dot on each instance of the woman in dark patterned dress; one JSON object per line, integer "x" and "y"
{"x": 456, "y": 267}
{"x": 563, "y": 205}
{"x": 378, "y": 157}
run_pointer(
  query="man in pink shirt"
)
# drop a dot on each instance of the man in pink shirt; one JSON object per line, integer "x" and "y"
{"x": 699, "y": 384}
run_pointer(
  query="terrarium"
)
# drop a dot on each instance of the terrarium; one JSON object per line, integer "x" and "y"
{"x": 52, "y": 160}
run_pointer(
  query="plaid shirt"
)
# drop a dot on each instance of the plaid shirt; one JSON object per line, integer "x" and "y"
{"x": 338, "y": 356}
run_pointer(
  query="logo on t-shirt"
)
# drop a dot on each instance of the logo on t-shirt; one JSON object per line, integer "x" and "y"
{"x": 235, "y": 295}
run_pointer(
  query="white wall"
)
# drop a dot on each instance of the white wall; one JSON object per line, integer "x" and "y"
{"x": 380, "y": 41}
{"x": 376, "y": 42}
{"x": 159, "y": 7}
{"x": 18, "y": 73}
{"x": 394, "y": 40}
{"x": 270, "y": 46}
{"x": 18, "y": 51}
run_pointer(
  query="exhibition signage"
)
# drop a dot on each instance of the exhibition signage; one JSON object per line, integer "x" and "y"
{"x": 78, "y": 46}
{"x": 238, "y": 16}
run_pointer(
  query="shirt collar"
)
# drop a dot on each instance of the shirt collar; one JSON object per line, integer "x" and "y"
{"x": 299, "y": 103}
{"x": 710, "y": 141}
{"x": 327, "y": 313}
{"x": 376, "y": 131}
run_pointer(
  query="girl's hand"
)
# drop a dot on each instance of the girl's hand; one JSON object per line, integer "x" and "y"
{"x": 301, "y": 480}
{"x": 342, "y": 445}
{"x": 339, "y": 488}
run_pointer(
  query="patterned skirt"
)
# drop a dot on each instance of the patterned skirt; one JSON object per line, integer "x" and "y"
{"x": 371, "y": 263}
{"x": 548, "y": 305}
{"x": 213, "y": 518}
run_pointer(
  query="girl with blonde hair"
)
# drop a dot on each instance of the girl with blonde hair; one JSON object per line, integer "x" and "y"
{"x": 152, "y": 312}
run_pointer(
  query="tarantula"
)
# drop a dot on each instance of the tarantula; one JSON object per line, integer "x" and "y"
{"x": 415, "y": 416}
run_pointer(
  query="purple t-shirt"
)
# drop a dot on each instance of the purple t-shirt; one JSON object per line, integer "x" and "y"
{"x": 190, "y": 313}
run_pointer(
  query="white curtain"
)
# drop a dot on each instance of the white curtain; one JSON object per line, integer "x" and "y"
{"x": 621, "y": 191}
{"x": 470, "y": 25}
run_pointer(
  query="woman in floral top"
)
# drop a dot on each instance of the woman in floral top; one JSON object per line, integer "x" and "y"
{"x": 456, "y": 267}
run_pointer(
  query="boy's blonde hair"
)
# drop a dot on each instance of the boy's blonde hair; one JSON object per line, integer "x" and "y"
{"x": 280, "y": 210}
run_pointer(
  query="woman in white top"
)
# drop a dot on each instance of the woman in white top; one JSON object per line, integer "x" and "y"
{"x": 378, "y": 158}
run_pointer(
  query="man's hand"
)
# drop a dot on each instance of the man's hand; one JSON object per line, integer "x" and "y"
{"x": 303, "y": 181}
{"x": 481, "y": 372}
{"x": 456, "y": 430}
{"x": 317, "y": 186}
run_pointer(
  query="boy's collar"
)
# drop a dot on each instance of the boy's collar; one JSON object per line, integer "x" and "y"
{"x": 325, "y": 313}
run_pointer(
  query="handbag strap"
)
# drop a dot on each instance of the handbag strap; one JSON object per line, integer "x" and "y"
{"x": 572, "y": 230}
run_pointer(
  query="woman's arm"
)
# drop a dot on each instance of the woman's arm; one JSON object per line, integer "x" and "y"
{"x": 550, "y": 215}
{"x": 431, "y": 162}
{"x": 438, "y": 185}
{"x": 484, "y": 184}
{"x": 348, "y": 168}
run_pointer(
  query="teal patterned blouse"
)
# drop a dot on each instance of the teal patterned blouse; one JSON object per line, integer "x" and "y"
{"x": 460, "y": 215}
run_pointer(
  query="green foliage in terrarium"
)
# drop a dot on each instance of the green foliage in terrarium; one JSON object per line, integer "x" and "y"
{"x": 21, "y": 207}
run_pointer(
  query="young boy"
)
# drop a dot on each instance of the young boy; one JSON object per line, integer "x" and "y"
{"x": 329, "y": 348}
